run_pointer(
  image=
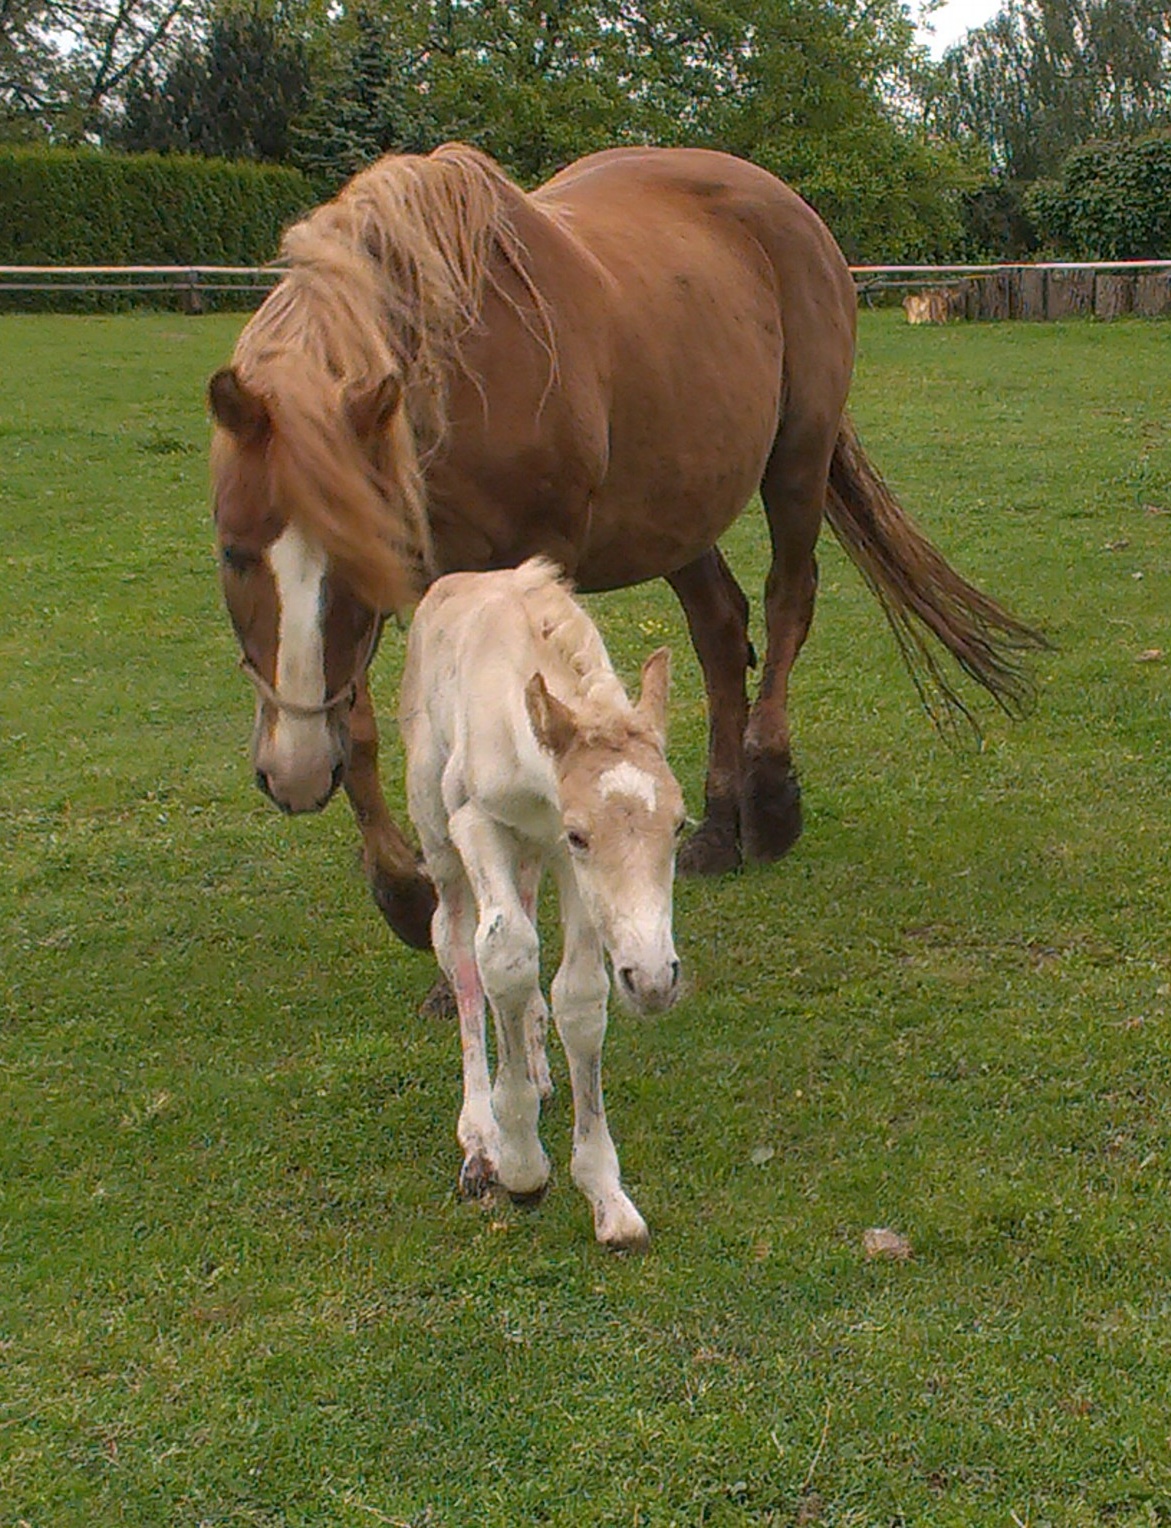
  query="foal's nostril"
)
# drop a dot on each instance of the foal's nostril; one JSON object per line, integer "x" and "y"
{"x": 626, "y": 977}
{"x": 262, "y": 784}
{"x": 674, "y": 973}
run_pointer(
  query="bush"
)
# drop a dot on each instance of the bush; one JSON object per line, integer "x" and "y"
{"x": 1109, "y": 201}
{"x": 82, "y": 207}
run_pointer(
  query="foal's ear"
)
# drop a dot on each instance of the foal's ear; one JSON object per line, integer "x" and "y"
{"x": 656, "y": 682}
{"x": 371, "y": 406}
{"x": 242, "y": 412}
{"x": 551, "y": 719}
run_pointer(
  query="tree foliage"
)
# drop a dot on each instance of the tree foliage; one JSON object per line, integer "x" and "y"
{"x": 63, "y": 63}
{"x": 820, "y": 91}
{"x": 1046, "y": 75}
{"x": 812, "y": 89}
{"x": 234, "y": 95}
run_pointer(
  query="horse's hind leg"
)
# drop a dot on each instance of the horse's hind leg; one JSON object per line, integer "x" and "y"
{"x": 793, "y": 490}
{"x": 405, "y": 897}
{"x": 717, "y": 618}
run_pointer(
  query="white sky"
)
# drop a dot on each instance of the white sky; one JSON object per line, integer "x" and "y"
{"x": 952, "y": 20}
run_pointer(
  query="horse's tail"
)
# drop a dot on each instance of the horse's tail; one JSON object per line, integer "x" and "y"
{"x": 921, "y": 594}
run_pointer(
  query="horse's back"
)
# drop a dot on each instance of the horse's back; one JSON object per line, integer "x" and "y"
{"x": 723, "y": 300}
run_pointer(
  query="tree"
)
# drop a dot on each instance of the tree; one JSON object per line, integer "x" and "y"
{"x": 63, "y": 62}
{"x": 817, "y": 90}
{"x": 233, "y": 96}
{"x": 1045, "y": 75}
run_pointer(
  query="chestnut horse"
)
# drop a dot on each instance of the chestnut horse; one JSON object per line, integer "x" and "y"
{"x": 455, "y": 374}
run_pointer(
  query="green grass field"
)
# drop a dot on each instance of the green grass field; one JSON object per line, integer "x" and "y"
{"x": 236, "y": 1286}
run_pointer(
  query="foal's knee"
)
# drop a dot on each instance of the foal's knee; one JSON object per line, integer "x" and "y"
{"x": 508, "y": 954}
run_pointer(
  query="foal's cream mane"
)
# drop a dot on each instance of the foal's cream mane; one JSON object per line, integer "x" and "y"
{"x": 601, "y": 706}
{"x": 382, "y": 281}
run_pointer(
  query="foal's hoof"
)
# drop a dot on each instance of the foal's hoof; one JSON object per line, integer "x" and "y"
{"x": 620, "y": 1228}
{"x": 711, "y": 850}
{"x": 477, "y": 1177}
{"x": 407, "y": 902}
{"x": 439, "y": 1002}
{"x": 770, "y": 808}
{"x": 531, "y": 1198}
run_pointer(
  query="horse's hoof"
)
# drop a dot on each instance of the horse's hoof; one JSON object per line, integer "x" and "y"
{"x": 477, "y": 1177}
{"x": 439, "y": 1002}
{"x": 710, "y": 850}
{"x": 407, "y": 902}
{"x": 770, "y": 809}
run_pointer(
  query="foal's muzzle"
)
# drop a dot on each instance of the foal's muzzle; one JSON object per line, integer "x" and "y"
{"x": 650, "y": 991}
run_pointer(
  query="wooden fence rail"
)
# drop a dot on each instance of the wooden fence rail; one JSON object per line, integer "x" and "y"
{"x": 190, "y": 284}
{"x": 1043, "y": 289}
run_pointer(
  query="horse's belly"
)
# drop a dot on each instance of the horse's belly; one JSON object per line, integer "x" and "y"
{"x": 685, "y": 459}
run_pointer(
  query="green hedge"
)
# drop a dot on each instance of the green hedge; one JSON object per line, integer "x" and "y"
{"x": 1109, "y": 201}
{"x": 71, "y": 207}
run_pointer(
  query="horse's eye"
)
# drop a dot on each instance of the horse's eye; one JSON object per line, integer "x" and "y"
{"x": 238, "y": 559}
{"x": 578, "y": 842}
{"x": 681, "y": 827}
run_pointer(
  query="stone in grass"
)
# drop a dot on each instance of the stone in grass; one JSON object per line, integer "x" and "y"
{"x": 881, "y": 1242}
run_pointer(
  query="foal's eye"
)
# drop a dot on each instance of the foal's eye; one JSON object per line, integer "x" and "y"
{"x": 237, "y": 559}
{"x": 681, "y": 827}
{"x": 578, "y": 842}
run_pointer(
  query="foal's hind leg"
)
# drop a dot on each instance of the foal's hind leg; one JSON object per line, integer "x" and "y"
{"x": 793, "y": 490}
{"x": 717, "y": 618}
{"x": 405, "y": 897}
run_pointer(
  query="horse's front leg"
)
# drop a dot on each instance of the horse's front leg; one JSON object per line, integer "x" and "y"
{"x": 508, "y": 959}
{"x": 404, "y": 895}
{"x": 580, "y": 990}
{"x": 717, "y": 618}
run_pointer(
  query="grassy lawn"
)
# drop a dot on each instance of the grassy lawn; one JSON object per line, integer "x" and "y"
{"x": 236, "y": 1286}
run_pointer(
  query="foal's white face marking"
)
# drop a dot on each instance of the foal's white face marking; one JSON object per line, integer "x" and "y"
{"x": 626, "y": 779}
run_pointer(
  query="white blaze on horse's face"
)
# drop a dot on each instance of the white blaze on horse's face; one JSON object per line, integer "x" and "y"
{"x": 622, "y": 817}
{"x": 298, "y": 758}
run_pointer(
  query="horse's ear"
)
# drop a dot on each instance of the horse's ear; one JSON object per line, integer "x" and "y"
{"x": 656, "y": 682}
{"x": 235, "y": 406}
{"x": 372, "y": 406}
{"x": 551, "y": 719}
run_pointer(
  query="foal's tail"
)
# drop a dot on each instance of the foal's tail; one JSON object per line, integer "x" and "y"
{"x": 921, "y": 594}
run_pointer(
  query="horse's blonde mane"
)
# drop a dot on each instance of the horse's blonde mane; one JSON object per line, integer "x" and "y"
{"x": 383, "y": 281}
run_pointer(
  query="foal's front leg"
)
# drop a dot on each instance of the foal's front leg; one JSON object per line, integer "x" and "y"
{"x": 537, "y": 1014}
{"x": 454, "y": 929}
{"x": 508, "y": 958}
{"x": 580, "y": 989}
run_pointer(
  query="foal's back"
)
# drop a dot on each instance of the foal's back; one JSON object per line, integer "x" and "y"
{"x": 475, "y": 642}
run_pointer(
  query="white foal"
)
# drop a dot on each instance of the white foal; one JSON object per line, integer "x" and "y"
{"x": 523, "y": 750}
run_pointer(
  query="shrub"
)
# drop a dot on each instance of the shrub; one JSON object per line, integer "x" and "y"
{"x": 1109, "y": 201}
{"x": 81, "y": 207}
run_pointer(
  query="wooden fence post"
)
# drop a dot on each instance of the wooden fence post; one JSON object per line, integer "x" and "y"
{"x": 190, "y": 296}
{"x": 1152, "y": 294}
{"x": 1113, "y": 295}
{"x": 1034, "y": 284}
{"x": 1070, "y": 293}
